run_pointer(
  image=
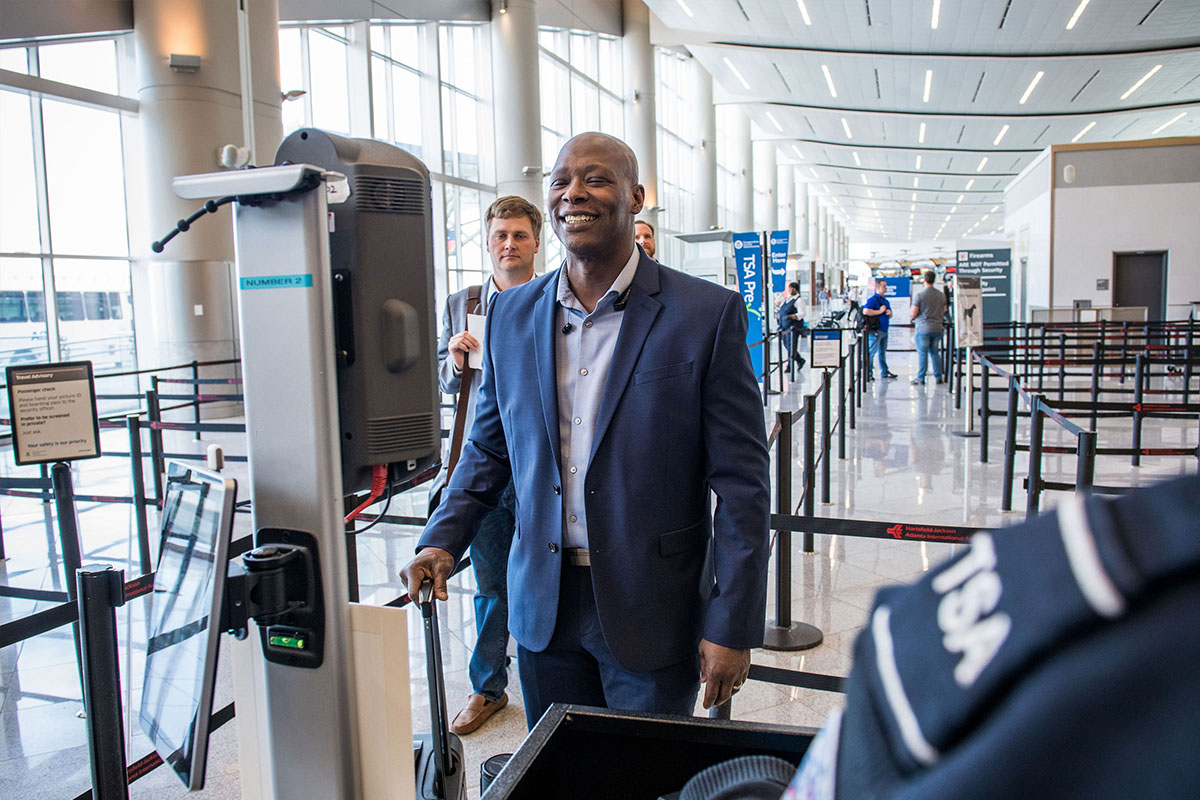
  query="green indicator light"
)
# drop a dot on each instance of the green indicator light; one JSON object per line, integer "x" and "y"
{"x": 287, "y": 641}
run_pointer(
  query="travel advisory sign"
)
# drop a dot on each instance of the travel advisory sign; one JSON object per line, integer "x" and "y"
{"x": 53, "y": 409}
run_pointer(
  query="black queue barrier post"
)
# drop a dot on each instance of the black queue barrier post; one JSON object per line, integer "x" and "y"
{"x": 153, "y": 415}
{"x": 985, "y": 412}
{"x": 68, "y": 537}
{"x": 195, "y": 399}
{"x": 958, "y": 378}
{"x": 1010, "y": 445}
{"x": 101, "y": 590}
{"x": 1097, "y": 368}
{"x": 1187, "y": 363}
{"x": 1124, "y": 348}
{"x": 853, "y": 381}
{"x": 1085, "y": 463}
{"x": 784, "y": 634}
{"x": 1041, "y": 373}
{"x": 826, "y": 436}
{"x": 842, "y": 410}
{"x": 1138, "y": 392}
{"x": 810, "y": 466}
{"x": 138, "y": 484}
{"x": 1034, "y": 486}
{"x": 1062, "y": 367}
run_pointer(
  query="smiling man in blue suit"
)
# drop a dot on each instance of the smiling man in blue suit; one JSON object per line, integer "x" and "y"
{"x": 618, "y": 396}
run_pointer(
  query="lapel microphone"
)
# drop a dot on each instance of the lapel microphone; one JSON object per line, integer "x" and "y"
{"x": 568, "y": 328}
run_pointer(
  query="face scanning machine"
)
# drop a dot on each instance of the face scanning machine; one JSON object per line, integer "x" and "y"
{"x": 335, "y": 295}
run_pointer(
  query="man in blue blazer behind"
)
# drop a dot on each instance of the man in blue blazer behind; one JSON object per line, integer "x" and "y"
{"x": 618, "y": 396}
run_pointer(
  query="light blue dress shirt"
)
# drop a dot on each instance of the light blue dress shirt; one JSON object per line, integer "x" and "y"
{"x": 583, "y": 357}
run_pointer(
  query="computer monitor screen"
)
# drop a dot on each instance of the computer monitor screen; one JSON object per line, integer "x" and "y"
{"x": 185, "y": 607}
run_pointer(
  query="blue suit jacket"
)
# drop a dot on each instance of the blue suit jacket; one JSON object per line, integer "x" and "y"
{"x": 680, "y": 419}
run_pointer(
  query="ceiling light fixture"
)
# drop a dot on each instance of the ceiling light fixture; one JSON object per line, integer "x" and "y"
{"x": 857, "y": 161}
{"x": 928, "y": 84}
{"x": 774, "y": 122}
{"x": 737, "y": 74}
{"x": 921, "y": 134}
{"x": 995, "y": 208}
{"x": 1171, "y": 121}
{"x": 914, "y": 197}
{"x": 799, "y": 155}
{"x": 863, "y": 175}
{"x": 918, "y": 162}
{"x": 814, "y": 173}
{"x": 937, "y": 12}
{"x": 1000, "y": 135}
{"x": 829, "y": 80}
{"x": 1078, "y": 11}
{"x": 804, "y": 12}
{"x": 970, "y": 183}
{"x": 1086, "y": 128}
{"x": 952, "y": 210}
{"x": 960, "y": 198}
{"x": 846, "y": 127}
{"x": 1028, "y": 89}
{"x": 982, "y": 162}
{"x": 916, "y": 181}
{"x": 1141, "y": 80}
{"x": 685, "y": 8}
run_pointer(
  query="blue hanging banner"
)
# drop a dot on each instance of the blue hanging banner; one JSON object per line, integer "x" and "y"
{"x": 747, "y": 254}
{"x": 779, "y": 251}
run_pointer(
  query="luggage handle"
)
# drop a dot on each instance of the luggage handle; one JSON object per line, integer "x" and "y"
{"x": 440, "y": 726}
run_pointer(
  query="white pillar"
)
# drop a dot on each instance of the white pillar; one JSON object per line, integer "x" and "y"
{"x": 744, "y": 168}
{"x": 800, "y": 205}
{"x": 814, "y": 224}
{"x": 517, "y": 104}
{"x": 787, "y": 202}
{"x": 823, "y": 233}
{"x": 640, "y": 83}
{"x": 186, "y": 292}
{"x": 705, "y": 121}
{"x": 766, "y": 195}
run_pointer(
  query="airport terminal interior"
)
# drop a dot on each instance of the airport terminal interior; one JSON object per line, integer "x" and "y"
{"x": 1036, "y": 166}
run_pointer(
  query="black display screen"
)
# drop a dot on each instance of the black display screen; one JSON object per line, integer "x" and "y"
{"x": 181, "y": 652}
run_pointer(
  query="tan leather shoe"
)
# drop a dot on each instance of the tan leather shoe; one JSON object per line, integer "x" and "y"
{"x": 476, "y": 712}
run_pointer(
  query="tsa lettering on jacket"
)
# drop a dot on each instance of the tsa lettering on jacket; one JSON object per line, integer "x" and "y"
{"x": 967, "y": 614}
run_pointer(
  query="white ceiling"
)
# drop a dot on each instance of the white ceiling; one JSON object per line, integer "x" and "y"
{"x": 982, "y": 57}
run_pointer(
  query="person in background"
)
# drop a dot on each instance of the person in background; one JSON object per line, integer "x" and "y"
{"x": 644, "y": 235}
{"x": 514, "y": 235}
{"x": 877, "y": 305}
{"x": 791, "y": 323}
{"x": 928, "y": 309}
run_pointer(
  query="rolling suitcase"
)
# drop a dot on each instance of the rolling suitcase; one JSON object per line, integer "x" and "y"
{"x": 438, "y": 755}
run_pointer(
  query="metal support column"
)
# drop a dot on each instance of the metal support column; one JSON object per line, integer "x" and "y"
{"x": 1010, "y": 446}
{"x": 101, "y": 590}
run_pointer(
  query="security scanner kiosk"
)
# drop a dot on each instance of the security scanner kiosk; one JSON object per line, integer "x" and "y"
{"x": 335, "y": 294}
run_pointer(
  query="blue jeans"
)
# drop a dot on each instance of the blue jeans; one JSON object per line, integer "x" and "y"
{"x": 877, "y": 342}
{"x": 488, "y": 668}
{"x": 929, "y": 344}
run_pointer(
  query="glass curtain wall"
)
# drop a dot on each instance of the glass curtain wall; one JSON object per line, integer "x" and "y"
{"x": 65, "y": 290}
{"x": 676, "y": 154}
{"x": 580, "y": 77}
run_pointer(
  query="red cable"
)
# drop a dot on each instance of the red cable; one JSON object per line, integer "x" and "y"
{"x": 379, "y": 474}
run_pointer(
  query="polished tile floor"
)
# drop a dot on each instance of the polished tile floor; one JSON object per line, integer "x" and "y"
{"x": 903, "y": 464}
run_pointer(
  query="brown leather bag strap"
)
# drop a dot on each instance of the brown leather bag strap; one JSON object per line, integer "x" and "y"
{"x": 464, "y": 393}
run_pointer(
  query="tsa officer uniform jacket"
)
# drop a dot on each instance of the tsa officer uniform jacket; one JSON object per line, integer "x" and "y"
{"x": 680, "y": 420}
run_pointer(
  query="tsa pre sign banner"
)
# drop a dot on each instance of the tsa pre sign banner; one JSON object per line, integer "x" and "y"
{"x": 779, "y": 250}
{"x": 747, "y": 254}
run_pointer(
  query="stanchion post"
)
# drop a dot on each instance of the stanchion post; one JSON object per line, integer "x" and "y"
{"x": 826, "y": 436}
{"x": 958, "y": 377}
{"x": 195, "y": 398}
{"x": 853, "y": 382}
{"x": 784, "y": 634}
{"x": 984, "y": 410}
{"x": 101, "y": 590}
{"x": 1187, "y": 363}
{"x": 1010, "y": 445}
{"x": 1033, "y": 490}
{"x": 1085, "y": 463}
{"x": 157, "y": 466}
{"x": 1062, "y": 366}
{"x": 842, "y": 410}
{"x": 1097, "y": 358}
{"x": 138, "y": 484}
{"x": 1124, "y": 348}
{"x": 1138, "y": 392}
{"x": 68, "y": 537}
{"x": 810, "y": 466}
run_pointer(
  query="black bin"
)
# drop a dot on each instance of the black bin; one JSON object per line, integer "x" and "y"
{"x": 592, "y": 753}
